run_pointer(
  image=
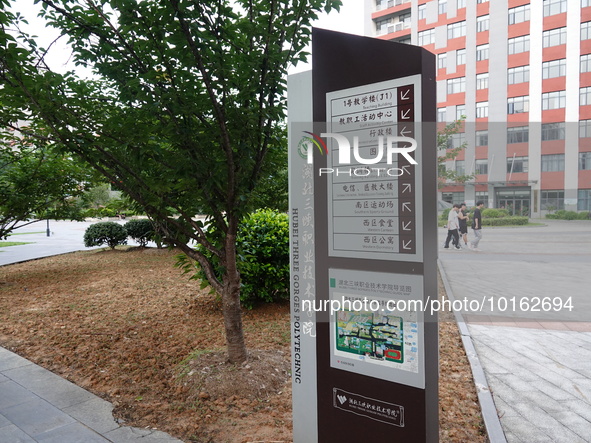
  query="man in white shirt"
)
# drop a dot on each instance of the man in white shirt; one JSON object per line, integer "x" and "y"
{"x": 452, "y": 228}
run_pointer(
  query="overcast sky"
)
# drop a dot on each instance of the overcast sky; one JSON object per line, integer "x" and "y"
{"x": 349, "y": 20}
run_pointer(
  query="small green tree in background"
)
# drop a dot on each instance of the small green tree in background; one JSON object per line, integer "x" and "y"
{"x": 446, "y": 153}
{"x": 37, "y": 181}
{"x": 105, "y": 233}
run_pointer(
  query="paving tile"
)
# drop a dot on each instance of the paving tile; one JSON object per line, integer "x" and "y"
{"x": 544, "y": 401}
{"x": 4, "y": 421}
{"x": 524, "y": 431}
{"x": 3, "y": 378}
{"x": 44, "y": 418}
{"x": 14, "y": 394}
{"x": 554, "y": 391}
{"x": 580, "y": 407}
{"x": 96, "y": 413}
{"x": 9, "y": 360}
{"x": 12, "y": 434}
{"x": 504, "y": 409}
{"x": 512, "y": 438}
{"x": 72, "y": 433}
{"x": 575, "y": 423}
{"x": 49, "y": 386}
{"x": 517, "y": 383}
{"x": 539, "y": 419}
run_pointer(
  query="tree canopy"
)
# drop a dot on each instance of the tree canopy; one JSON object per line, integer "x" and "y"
{"x": 184, "y": 114}
{"x": 37, "y": 181}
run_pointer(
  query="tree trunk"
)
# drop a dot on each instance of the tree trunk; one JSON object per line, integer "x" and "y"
{"x": 231, "y": 305}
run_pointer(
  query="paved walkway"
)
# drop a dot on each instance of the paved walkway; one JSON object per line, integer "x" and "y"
{"x": 39, "y": 406}
{"x": 537, "y": 364}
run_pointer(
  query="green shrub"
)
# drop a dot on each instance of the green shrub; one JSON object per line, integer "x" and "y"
{"x": 444, "y": 214}
{"x": 101, "y": 233}
{"x": 141, "y": 230}
{"x": 561, "y": 214}
{"x": 505, "y": 221}
{"x": 262, "y": 246}
{"x": 494, "y": 213}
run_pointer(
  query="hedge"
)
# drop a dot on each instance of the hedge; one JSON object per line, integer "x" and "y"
{"x": 569, "y": 215}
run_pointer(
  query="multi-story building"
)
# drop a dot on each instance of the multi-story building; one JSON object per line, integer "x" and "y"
{"x": 520, "y": 73}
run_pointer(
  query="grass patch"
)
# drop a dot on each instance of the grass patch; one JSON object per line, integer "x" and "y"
{"x": 26, "y": 233}
{"x": 13, "y": 243}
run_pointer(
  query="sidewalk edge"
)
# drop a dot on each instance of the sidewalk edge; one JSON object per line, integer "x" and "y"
{"x": 487, "y": 405}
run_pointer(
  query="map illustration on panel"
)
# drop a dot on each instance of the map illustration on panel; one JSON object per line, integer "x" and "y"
{"x": 376, "y": 336}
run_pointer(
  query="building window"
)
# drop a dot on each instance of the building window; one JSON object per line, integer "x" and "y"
{"x": 585, "y": 31}
{"x": 554, "y": 68}
{"x": 482, "y": 138}
{"x": 441, "y": 115}
{"x": 442, "y": 6}
{"x": 481, "y": 109}
{"x": 461, "y": 4}
{"x": 519, "y": 74}
{"x": 455, "y": 30}
{"x": 517, "y": 164}
{"x": 453, "y": 197}
{"x": 553, "y": 131}
{"x": 482, "y": 81}
{"x": 552, "y": 200}
{"x": 442, "y": 60}
{"x": 518, "y": 44}
{"x": 585, "y": 128}
{"x": 482, "y": 195}
{"x": 584, "y": 200}
{"x": 482, "y": 1}
{"x": 481, "y": 52}
{"x": 553, "y": 7}
{"x": 460, "y": 167}
{"x": 518, "y": 134}
{"x": 552, "y": 162}
{"x": 554, "y": 37}
{"x": 585, "y": 63}
{"x": 584, "y": 161}
{"x": 456, "y": 140}
{"x": 426, "y": 37}
{"x": 481, "y": 167}
{"x": 405, "y": 41}
{"x": 554, "y": 100}
{"x": 519, "y": 14}
{"x": 585, "y": 96}
{"x": 382, "y": 26}
{"x": 456, "y": 85}
{"x": 585, "y": 3}
{"x": 422, "y": 11}
{"x": 482, "y": 23}
{"x": 517, "y": 105}
{"x": 460, "y": 57}
{"x": 460, "y": 112}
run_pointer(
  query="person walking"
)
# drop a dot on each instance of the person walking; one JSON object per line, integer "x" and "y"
{"x": 452, "y": 228}
{"x": 463, "y": 223}
{"x": 477, "y": 226}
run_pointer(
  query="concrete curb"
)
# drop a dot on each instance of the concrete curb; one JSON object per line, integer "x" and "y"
{"x": 487, "y": 405}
